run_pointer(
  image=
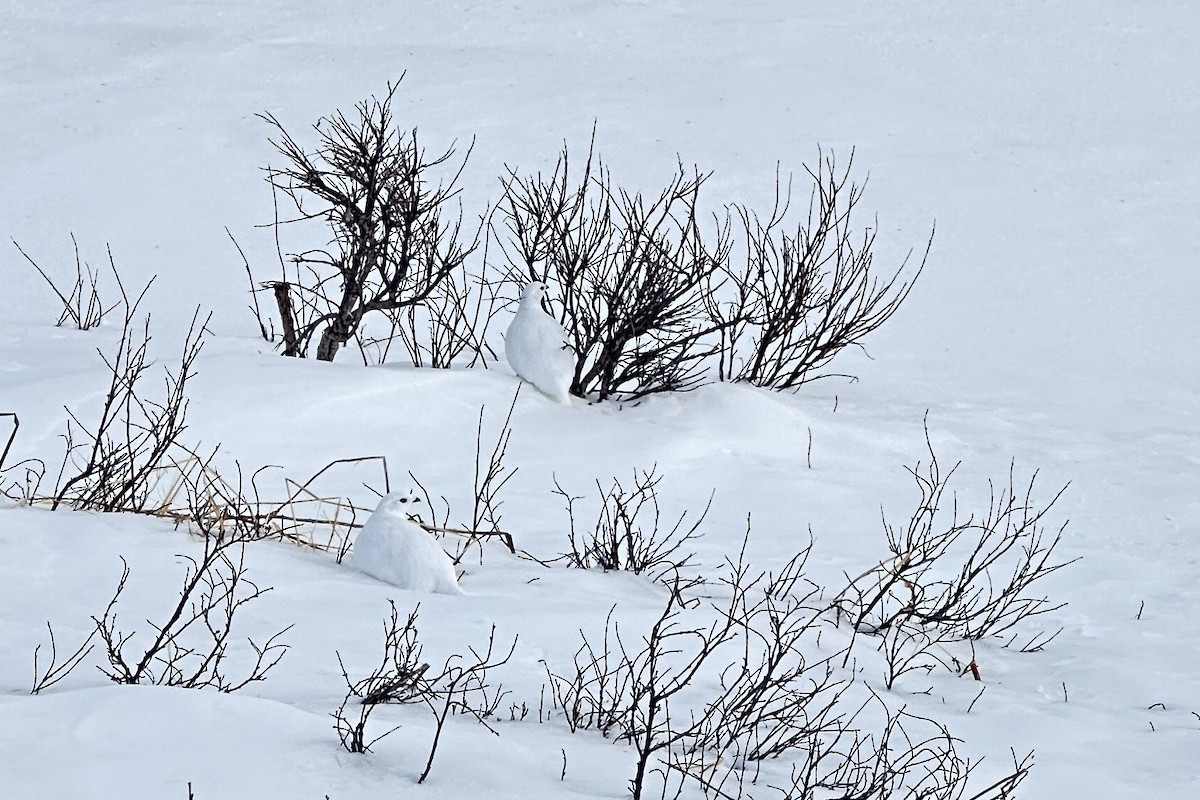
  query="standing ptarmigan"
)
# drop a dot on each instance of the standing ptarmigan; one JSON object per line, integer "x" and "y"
{"x": 396, "y": 550}
{"x": 536, "y": 347}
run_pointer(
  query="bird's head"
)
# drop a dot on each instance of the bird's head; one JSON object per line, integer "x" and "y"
{"x": 534, "y": 292}
{"x": 534, "y": 296}
{"x": 403, "y": 503}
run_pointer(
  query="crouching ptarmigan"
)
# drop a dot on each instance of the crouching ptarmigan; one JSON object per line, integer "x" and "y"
{"x": 536, "y": 346}
{"x": 396, "y": 550}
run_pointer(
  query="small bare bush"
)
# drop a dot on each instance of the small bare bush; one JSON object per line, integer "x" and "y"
{"x": 131, "y": 456}
{"x": 629, "y": 533}
{"x": 906, "y": 756}
{"x": 950, "y": 576}
{"x": 399, "y": 678}
{"x": 114, "y": 463}
{"x": 805, "y": 290}
{"x": 461, "y": 687}
{"x": 772, "y": 699}
{"x": 82, "y": 305}
{"x": 189, "y": 648}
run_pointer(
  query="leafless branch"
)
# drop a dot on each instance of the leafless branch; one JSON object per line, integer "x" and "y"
{"x": 54, "y": 671}
{"x": 955, "y": 576}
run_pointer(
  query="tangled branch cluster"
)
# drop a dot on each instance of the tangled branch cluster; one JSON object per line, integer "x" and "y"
{"x": 394, "y": 250}
{"x": 655, "y": 292}
{"x": 956, "y": 578}
{"x": 772, "y": 700}
{"x": 629, "y": 533}
{"x": 460, "y": 687}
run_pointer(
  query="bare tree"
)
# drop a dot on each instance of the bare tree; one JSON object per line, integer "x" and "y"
{"x": 629, "y": 272}
{"x": 802, "y": 294}
{"x": 392, "y": 245}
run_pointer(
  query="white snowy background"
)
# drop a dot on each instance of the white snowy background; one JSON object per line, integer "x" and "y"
{"x": 1052, "y": 142}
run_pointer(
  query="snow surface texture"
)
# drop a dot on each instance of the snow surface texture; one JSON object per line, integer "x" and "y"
{"x": 1054, "y": 143}
{"x": 537, "y": 349}
{"x": 396, "y": 550}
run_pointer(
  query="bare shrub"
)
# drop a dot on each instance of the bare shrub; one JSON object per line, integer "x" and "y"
{"x": 189, "y": 648}
{"x": 398, "y": 679}
{"x": 391, "y": 244}
{"x": 113, "y": 464}
{"x": 627, "y": 691}
{"x": 772, "y": 699}
{"x": 629, "y": 272}
{"x": 131, "y": 457}
{"x": 907, "y": 756}
{"x": 460, "y": 688}
{"x": 805, "y": 290}
{"x": 970, "y": 577}
{"x": 629, "y": 533}
{"x": 81, "y": 304}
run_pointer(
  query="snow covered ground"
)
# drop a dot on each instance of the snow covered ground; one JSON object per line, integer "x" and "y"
{"x": 1055, "y": 325}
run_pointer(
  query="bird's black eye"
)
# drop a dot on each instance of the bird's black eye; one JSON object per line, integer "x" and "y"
{"x": 403, "y": 499}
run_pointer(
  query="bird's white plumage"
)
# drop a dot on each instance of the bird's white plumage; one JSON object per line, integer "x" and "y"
{"x": 536, "y": 347}
{"x": 396, "y": 550}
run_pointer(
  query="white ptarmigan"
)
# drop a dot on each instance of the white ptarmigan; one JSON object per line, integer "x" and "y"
{"x": 396, "y": 550}
{"x": 536, "y": 347}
